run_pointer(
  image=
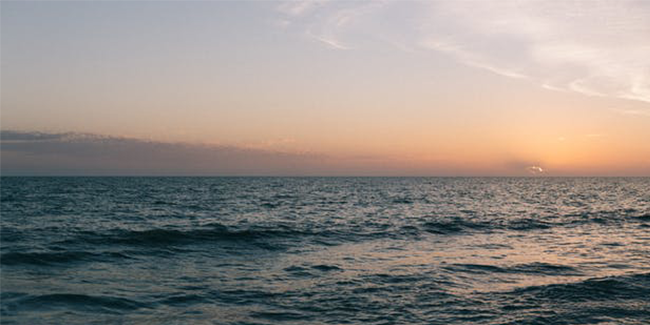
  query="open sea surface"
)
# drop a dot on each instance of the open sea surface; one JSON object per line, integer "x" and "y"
{"x": 325, "y": 250}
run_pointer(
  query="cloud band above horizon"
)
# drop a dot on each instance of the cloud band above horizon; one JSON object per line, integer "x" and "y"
{"x": 83, "y": 154}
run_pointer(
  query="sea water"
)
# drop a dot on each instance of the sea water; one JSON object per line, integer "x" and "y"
{"x": 325, "y": 250}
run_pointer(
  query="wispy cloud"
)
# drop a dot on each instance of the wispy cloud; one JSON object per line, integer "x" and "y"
{"x": 596, "y": 48}
{"x": 329, "y": 41}
{"x": 299, "y": 8}
{"x": 328, "y": 22}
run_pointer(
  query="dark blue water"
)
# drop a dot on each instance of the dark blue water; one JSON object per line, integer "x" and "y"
{"x": 325, "y": 251}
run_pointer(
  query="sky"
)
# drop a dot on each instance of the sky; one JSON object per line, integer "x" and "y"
{"x": 385, "y": 88}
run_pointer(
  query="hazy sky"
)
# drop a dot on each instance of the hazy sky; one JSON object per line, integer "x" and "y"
{"x": 326, "y": 87}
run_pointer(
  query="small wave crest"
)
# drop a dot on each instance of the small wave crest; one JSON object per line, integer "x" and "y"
{"x": 79, "y": 302}
{"x": 169, "y": 236}
{"x": 55, "y": 258}
{"x": 535, "y": 268}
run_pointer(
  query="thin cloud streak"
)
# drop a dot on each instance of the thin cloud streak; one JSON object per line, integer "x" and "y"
{"x": 320, "y": 23}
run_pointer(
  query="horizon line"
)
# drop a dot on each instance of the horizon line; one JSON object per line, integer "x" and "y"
{"x": 324, "y": 176}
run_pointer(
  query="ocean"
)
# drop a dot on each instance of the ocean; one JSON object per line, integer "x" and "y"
{"x": 222, "y": 250}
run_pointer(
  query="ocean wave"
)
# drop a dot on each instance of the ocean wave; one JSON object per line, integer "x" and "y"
{"x": 644, "y": 217}
{"x": 268, "y": 236}
{"x": 67, "y": 301}
{"x": 56, "y": 258}
{"x": 596, "y": 289}
{"x": 606, "y": 217}
{"x": 607, "y": 300}
{"x": 544, "y": 268}
{"x": 452, "y": 226}
{"x": 535, "y": 268}
{"x": 265, "y": 237}
{"x": 183, "y": 300}
{"x": 278, "y": 236}
{"x": 457, "y": 225}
